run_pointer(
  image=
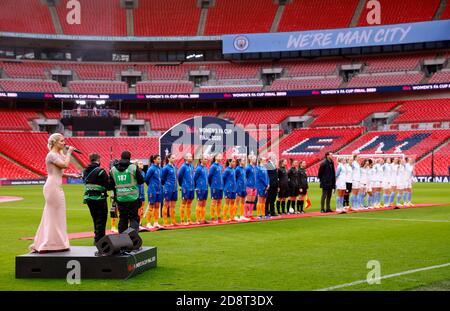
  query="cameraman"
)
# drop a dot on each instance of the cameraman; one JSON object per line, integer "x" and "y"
{"x": 124, "y": 180}
{"x": 96, "y": 184}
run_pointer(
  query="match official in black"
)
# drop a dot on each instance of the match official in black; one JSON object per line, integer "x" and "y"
{"x": 272, "y": 171}
{"x": 327, "y": 176}
{"x": 96, "y": 183}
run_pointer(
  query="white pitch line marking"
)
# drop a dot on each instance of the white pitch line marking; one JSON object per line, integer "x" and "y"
{"x": 385, "y": 277}
{"x": 381, "y": 218}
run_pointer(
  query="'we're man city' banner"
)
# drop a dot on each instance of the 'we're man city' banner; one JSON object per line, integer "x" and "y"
{"x": 337, "y": 38}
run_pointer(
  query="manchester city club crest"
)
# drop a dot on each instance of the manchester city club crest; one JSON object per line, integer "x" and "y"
{"x": 241, "y": 43}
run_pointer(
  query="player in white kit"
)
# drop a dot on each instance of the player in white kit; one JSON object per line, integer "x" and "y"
{"x": 387, "y": 181}
{"x": 340, "y": 185}
{"x": 400, "y": 182}
{"x": 409, "y": 172}
{"x": 364, "y": 182}
{"x": 378, "y": 179}
{"x": 356, "y": 184}
{"x": 348, "y": 182}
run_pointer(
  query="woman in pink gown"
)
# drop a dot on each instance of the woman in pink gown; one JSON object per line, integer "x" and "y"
{"x": 52, "y": 232}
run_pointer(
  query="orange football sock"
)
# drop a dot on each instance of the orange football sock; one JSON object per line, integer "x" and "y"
{"x": 182, "y": 208}
{"x": 172, "y": 215}
{"x": 212, "y": 210}
{"x": 164, "y": 212}
{"x": 218, "y": 210}
{"x": 188, "y": 211}
{"x": 156, "y": 214}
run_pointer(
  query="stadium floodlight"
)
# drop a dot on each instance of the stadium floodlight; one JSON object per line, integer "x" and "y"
{"x": 81, "y": 102}
{"x": 100, "y": 102}
{"x": 190, "y": 56}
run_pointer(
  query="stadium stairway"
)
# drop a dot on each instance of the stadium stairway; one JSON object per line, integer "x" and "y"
{"x": 440, "y": 9}
{"x": 357, "y": 14}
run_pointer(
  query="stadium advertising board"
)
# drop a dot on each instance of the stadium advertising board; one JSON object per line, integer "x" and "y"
{"x": 337, "y": 38}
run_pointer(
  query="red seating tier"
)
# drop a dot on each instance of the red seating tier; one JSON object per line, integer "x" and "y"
{"x": 16, "y": 120}
{"x": 259, "y": 116}
{"x": 347, "y": 114}
{"x": 166, "y": 18}
{"x": 140, "y": 147}
{"x": 10, "y": 170}
{"x": 332, "y": 140}
{"x": 428, "y": 110}
{"x": 385, "y": 79}
{"x": 311, "y": 14}
{"x": 26, "y": 16}
{"x": 164, "y": 87}
{"x": 98, "y": 18}
{"x": 106, "y": 87}
{"x": 236, "y": 16}
{"x": 421, "y": 147}
{"x": 440, "y": 77}
{"x": 165, "y": 119}
{"x": 17, "y": 85}
{"x": 16, "y": 145}
{"x": 310, "y": 83}
{"x": 400, "y": 11}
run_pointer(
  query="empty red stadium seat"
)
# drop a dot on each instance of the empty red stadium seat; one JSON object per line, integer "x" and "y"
{"x": 10, "y": 170}
{"x": 98, "y": 87}
{"x": 166, "y": 18}
{"x": 23, "y": 85}
{"x": 267, "y": 116}
{"x": 442, "y": 76}
{"x": 16, "y": 120}
{"x": 236, "y": 16}
{"x": 16, "y": 145}
{"x": 140, "y": 147}
{"x": 306, "y": 83}
{"x": 310, "y": 144}
{"x": 418, "y": 142}
{"x": 164, "y": 87}
{"x": 312, "y": 14}
{"x": 26, "y": 16}
{"x": 427, "y": 110}
{"x": 400, "y": 11}
{"x": 386, "y": 79}
{"x": 341, "y": 115}
{"x": 99, "y": 17}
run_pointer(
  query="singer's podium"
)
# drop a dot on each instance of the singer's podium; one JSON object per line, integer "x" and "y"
{"x": 61, "y": 264}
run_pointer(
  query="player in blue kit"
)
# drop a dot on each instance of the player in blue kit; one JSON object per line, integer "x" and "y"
{"x": 216, "y": 184}
{"x": 201, "y": 188}
{"x": 154, "y": 190}
{"x": 186, "y": 181}
{"x": 229, "y": 189}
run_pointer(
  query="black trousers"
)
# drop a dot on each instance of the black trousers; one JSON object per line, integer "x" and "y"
{"x": 99, "y": 214}
{"x": 270, "y": 201}
{"x": 128, "y": 215}
{"x": 326, "y": 198}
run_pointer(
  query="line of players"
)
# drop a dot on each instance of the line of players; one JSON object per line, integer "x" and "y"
{"x": 356, "y": 178}
{"x": 240, "y": 184}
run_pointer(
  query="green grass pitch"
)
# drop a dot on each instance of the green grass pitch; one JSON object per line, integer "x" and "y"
{"x": 298, "y": 254}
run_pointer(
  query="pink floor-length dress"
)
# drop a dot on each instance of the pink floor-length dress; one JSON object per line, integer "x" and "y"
{"x": 52, "y": 232}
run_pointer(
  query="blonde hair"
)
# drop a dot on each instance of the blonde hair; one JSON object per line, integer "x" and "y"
{"x": 53, "y": 139}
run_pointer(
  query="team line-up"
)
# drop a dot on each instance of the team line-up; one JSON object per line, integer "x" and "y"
{"x": 248, "y": 181}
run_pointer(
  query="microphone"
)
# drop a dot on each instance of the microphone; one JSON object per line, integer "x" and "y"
{"x": 74, "y": 150}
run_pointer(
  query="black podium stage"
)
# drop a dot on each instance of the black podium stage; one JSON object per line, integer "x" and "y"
{"x": 58, "y": 265}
